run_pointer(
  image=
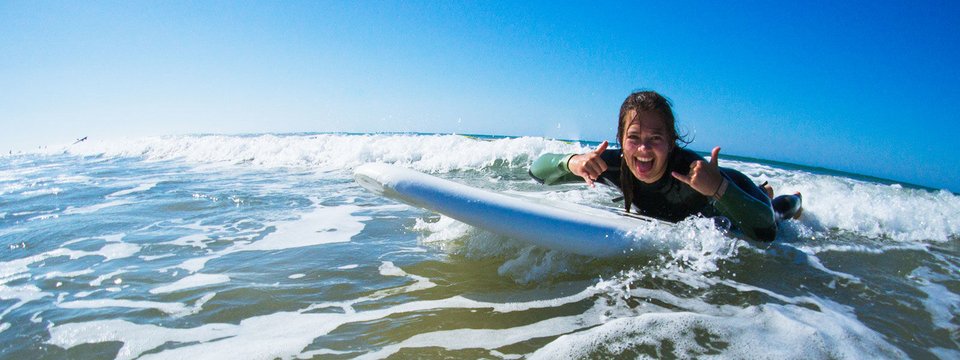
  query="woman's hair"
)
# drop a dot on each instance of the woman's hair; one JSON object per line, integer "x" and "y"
{"x": 644, "y": 101}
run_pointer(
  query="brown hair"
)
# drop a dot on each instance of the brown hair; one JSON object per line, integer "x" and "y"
{"x": 645, "y": 101}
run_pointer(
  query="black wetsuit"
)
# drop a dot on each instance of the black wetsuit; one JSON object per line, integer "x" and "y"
{"x": 744, "y": 203}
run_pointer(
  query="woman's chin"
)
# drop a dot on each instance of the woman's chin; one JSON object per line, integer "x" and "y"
{"x": 648, "y": 177}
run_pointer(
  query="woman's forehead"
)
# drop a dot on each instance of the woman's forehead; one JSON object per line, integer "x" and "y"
{"x": 646, "y": 121}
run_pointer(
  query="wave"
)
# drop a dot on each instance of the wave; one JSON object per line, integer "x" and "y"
{"x": 834, "y": 204}
{"x": 432, "y": 153}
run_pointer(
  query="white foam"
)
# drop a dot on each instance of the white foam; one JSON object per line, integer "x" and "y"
{"x": 694, "y": 243}
{"x": 808, "y": 256}
{"x": 444, "y": 230}
{"x": 136, "y": 338}
{"x": 39, "y": 192}
{"x": 100, "y": 279}
{"x": 73, "y": 179}
{"x": 901, "y": 218}
{"x": 173, "y": 309}
{"x": 44, "y": 217}
{"x": 887, "y": 211}
{"x": 83, "y": 294}
{"x": 387, "y": 268}
{"x": 524, "y": 264}
{"x": 770, "y": 328}
{"x": 776, "y": 331}
{"x": 280, "y": 334}
{"x": 118, "y": 251}
{"x": 867, "y": 249}
{"x": 830, "y": 202}
{"x": 491, "y": 338}
{"x": 327, "y": 151}
{"x": 942, "y": 304}
{"x": 23, "y": 294}
{"x": 20, "y": 268}
{"x": 869, "y": 209}
{"x": 169, "y": 308}
{"x": 531, "y": 264}
{"x": 191, "y": 282}
{"x": 61, "y": 274}
{"x": 139, "y": 188}
{"x": 323, "y": 225}
{"x": 194, "y": 240}
{"x": 195, "y": 264}
{"x": 94, "y": 208}
{"x": 156, "y": 257}
{"x": 11, "y": 188}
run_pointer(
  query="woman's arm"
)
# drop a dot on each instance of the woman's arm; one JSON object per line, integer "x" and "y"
{"x": 553, "y": 169}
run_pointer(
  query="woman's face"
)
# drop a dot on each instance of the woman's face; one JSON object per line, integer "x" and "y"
{"x": 646, "y": 146}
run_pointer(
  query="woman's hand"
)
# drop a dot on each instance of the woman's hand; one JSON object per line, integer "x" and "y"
{"x": 589, "y": 165}
{"x": 705, "y": 177}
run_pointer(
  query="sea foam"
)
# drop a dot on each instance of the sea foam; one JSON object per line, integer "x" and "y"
{"x": 351, "y": 263}
{"x": 831, "y": 202}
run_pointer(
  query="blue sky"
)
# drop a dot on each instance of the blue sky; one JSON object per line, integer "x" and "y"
{"x": 866, "y": 87}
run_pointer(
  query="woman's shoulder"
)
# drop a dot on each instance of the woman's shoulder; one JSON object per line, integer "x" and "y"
{"x": 684, "y": 156}
{"x": 612, "y": 156}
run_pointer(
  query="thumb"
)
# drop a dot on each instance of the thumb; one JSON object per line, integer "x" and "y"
{"x": 715, "y": 157}
{"x": 603, "y": 147}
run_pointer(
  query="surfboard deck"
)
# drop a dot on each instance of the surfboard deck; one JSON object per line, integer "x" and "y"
{"x": 566, "y": 227}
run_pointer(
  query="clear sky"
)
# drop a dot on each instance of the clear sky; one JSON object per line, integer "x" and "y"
{"x": 870, "y": 87}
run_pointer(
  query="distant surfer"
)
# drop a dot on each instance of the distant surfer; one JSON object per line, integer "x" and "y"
{"x": 666, "y": 180}
{"x": 80, "y": 140}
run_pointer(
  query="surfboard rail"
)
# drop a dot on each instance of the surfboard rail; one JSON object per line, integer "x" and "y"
{"x": 564, "y": 228}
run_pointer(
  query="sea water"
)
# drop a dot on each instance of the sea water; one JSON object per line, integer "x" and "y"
{"x": 263, "y": 246}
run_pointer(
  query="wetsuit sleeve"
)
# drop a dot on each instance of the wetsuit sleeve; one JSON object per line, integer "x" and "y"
{"x": 551, "y": 169}
{"x": 751, "y": 214}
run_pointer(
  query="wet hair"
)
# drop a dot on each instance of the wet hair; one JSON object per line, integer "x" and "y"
{"x": 640, "y": 102}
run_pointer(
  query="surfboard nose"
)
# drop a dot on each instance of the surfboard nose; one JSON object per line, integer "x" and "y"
{"x": 368, "y": 176}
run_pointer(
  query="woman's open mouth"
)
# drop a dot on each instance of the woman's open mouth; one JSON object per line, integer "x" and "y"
{"x": 643, "y": 164}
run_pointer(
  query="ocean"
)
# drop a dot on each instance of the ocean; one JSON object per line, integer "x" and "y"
{"x": 263, "y": 246}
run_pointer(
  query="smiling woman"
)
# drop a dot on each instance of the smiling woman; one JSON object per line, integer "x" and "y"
{"x": 650, "y": 150}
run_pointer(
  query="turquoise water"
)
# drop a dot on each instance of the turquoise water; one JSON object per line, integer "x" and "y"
{"x": 263, "y": 246}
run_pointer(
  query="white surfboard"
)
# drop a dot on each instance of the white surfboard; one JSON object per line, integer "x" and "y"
{"x": 571, "y": 227}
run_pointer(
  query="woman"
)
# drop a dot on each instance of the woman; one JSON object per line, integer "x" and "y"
{"x": 665, "y": 180}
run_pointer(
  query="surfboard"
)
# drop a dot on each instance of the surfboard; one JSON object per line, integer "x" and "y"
{"x": 568, "y": 227}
